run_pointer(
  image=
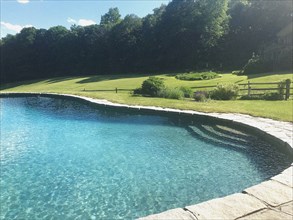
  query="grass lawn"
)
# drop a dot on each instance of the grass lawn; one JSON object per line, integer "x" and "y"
{"x": 281, "y": 110}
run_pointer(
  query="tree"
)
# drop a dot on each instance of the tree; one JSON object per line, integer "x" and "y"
{"x": 18, "y": 55}
{"x": 183, "y": 35}
{"x": 253, "y": 25}
{"x": 151, "y": 47}
{"x": 111, "y": 18}
{"x": 188, "y": 29}
{"x": 123, "y": 44}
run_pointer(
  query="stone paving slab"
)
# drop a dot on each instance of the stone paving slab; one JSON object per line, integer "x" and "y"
{"x": 289, "y": 171}
{"x": 229, "y": 207}
{"x": 271, "y": 192}
{"x": 284, "y": 178}
{"x": 267, "y": 214}
{"x": 172, "y": 214}
{"x": 287, "y": 208}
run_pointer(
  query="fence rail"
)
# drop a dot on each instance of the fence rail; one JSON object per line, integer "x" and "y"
{"x": 269, "y": 83}
{"x": 283, "y": 87}
{"x": 240, "y": 84}
{"x": 259, "y": 89}
{"x": 203, "y": 87}
{"x": 106, "y": 90}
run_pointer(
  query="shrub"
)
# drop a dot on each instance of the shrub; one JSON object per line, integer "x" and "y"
{"x": 267, "y": 96}
{"x": 252, "y": 97}
{"x": 152, "y": 86}
{"x": 171, "y": 93}
{"x": 137, "y": 91}
{"x": 273, "y": 96}
{"x": 197, "y": 76}
{"x": 187, "y": 91}
{"x": 201, "y": 96}
{"x": 237, "y": 72}
{"x": 270, "y": 95}
{"x": 254, "y": 65}
{"x": 281, "y": 88}
{"x": 225, "y": 92}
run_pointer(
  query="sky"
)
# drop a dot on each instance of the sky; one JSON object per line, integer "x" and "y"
{"x": 17, "y": 14}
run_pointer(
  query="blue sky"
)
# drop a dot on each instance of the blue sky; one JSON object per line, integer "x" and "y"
{"x": 16, "y": 14}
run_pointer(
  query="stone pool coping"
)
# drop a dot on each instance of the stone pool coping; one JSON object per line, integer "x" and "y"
{"x": 271, "y": 199}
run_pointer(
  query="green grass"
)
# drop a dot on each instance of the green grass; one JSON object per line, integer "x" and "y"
{"x": 280, "y": 110}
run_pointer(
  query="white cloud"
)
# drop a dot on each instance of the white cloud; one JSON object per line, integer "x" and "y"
{"x": 85, "y": 22}
{"x": 14, "y": 27}
{"x": 23, "y": 1}
{"x": 81, "y": 22}
{"x": 70, "y": 20}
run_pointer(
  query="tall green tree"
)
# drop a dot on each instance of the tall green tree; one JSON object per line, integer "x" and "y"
{"x": 188, "y": 28}
{"x": 111, "y": 18}
{"x": 18, "y": 55}
{"x": 123, "y": 44}
{"x": 253, "y": 25}
{"x": 151, "y": 48}
{"x": 183, "y": 35}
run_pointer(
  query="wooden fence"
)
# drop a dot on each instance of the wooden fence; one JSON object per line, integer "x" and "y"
{"x": 248, "y": 88}
{"x": 107, "y": 90}
{"x": 251, "y": 89}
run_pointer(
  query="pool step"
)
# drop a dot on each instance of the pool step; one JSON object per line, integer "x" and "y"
{"x": 230, "y": 131}
{"x": 222, "y": 136}
{"x": 198, "y": 133}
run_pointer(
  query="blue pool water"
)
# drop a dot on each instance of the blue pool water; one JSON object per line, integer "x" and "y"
{"x": 63, "y": 159}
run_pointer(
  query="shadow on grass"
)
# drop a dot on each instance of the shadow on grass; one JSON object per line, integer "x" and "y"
{"x": 253, "y": 76}
{"x": 99, "y": 78}
{"x": 86, "y": 79}
{"x": 16, "y": 84}
{"x": 60, "y": 79}
{"x": 28, "y": 82}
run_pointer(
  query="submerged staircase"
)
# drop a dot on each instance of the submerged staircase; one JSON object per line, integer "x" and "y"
{"x": 222, "y": 136}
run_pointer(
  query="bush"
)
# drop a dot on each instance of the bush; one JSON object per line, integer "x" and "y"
{"x": 254, "y": 65}
{"x": 281, "y": 88}
{"x": 137, "y": 91}
{"x": 201, "y": 96}
{"x": 280, "y": 95}
{"x": 273, "y": 96}
{"x": 225, "y": 92}
{"x": 152, "y": 86}
{"x": 267, "y": 96}
{"x": 237, "y": 72}
{"x": 187, "y": 91}
{"x": 197, "y": 76}
{"x": 171, "y": 93}
{"x": 252, "y": 97}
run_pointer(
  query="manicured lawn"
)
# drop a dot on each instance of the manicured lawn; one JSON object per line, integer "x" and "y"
{"x": 281, "y": 110}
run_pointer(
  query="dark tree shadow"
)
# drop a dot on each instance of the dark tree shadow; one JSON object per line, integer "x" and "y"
{"x": 100, "y": 78}
{"x": 253, "y": 76}
{"x": 15, "y": 84}
{"x": 87, "y": 79}
{"x": 60, "y": 79}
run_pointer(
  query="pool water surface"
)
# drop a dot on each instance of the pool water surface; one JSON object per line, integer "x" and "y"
{"x": 65, "y": 159}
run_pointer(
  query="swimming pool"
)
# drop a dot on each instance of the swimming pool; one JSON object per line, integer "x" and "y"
{"x": 65, "y": 159}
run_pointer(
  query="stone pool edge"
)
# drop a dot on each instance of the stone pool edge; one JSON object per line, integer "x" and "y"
{"x": 271, "y": 199}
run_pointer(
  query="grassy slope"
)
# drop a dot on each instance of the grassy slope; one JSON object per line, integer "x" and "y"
{"x": 281, "y": 110}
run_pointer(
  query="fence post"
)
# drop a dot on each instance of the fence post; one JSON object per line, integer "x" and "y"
{"x": 116, "y": 90}
{"x": 248, "y": 89}
{"x": 288, "y": 82}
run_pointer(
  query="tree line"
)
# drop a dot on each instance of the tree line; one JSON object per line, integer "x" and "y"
{"x": 184, "y": 35}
